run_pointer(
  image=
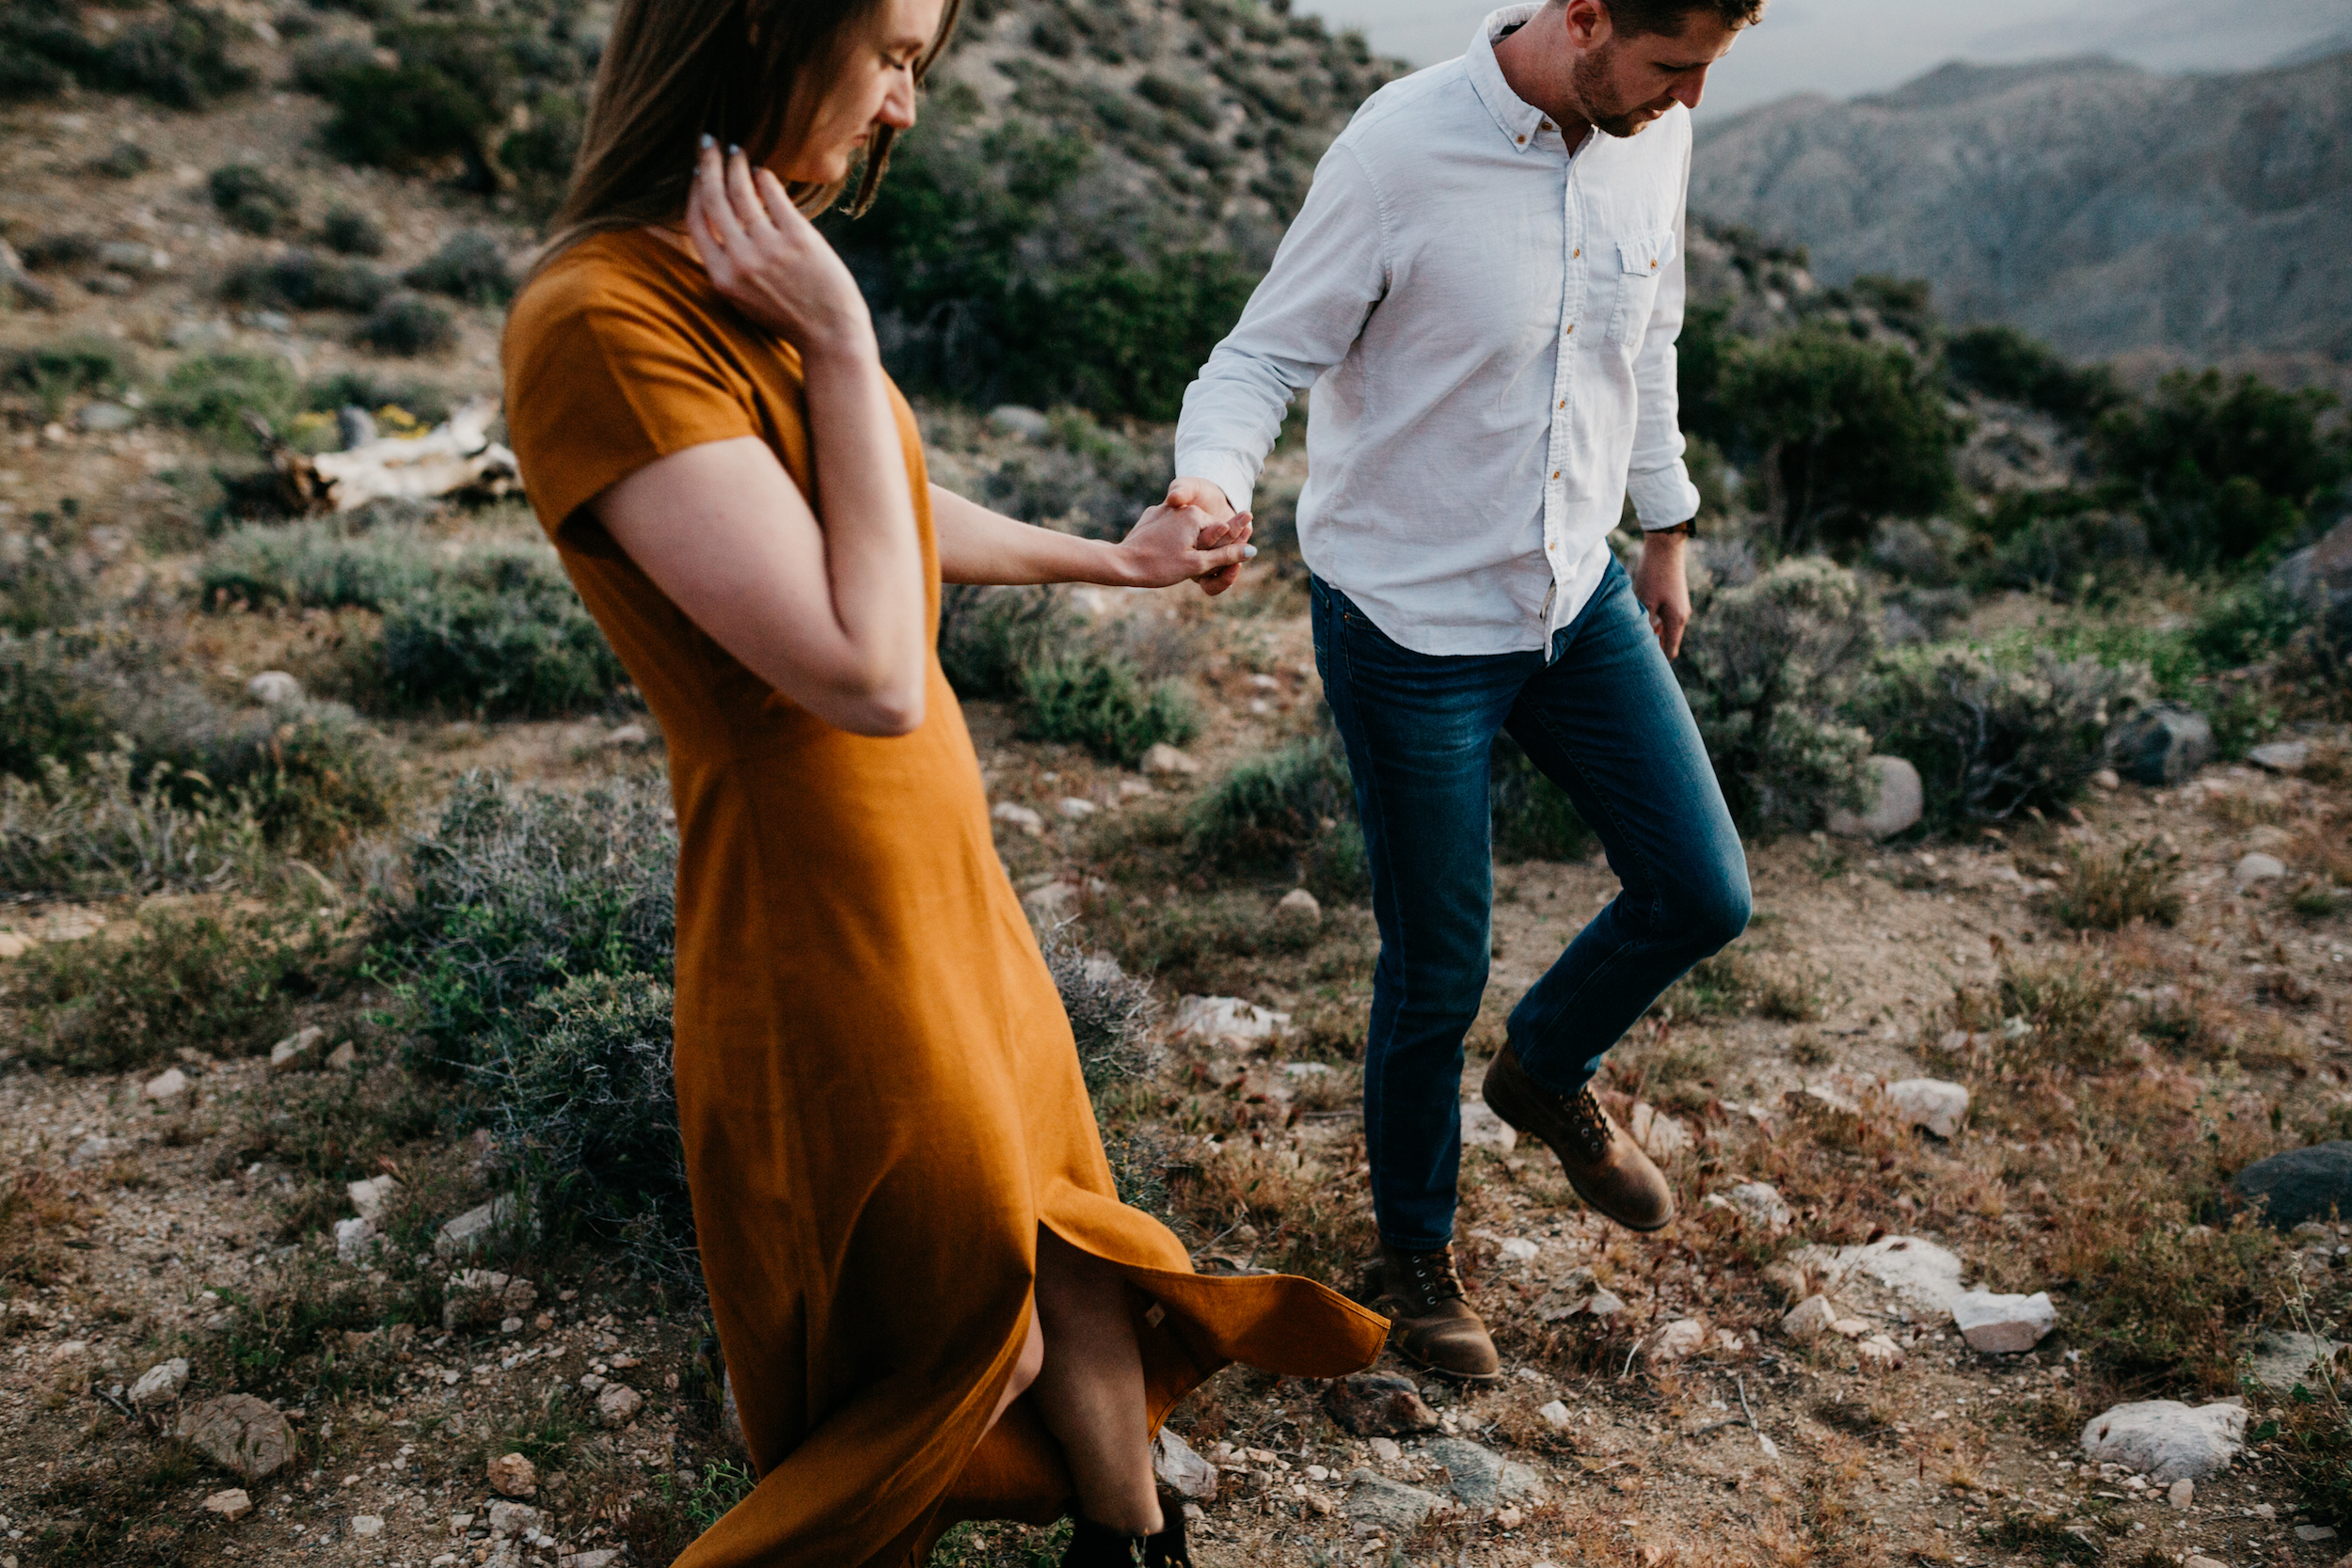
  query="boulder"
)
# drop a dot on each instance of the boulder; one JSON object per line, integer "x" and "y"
{"x": 1761, "y": 1202}
{"x": 1554, "y": 1415}
{"x": 231, "y": 1505}
{"x": 165, "y": 1087}
{"x": 618, "y": 1404}
{"x": 369, "y": 1196}
{"x": 1809, "y": 1319}
{"x": 298, "y": 1051}
{"x": 507, "y": 1519}
{"x": 2281, "y": 756}
{"x": 2166, "y": 1440}
{"x": 511, "y": 1475}
{"x": 2282, "y": 1360}
{"x": 2313, "y": 1183}
{"x": 1675, "y": 1342}
{"x": 273, "y": 689}
{"x": 2258, "y": 867}
{"x": 1931, "y": 1104}
{"x": 1379, "y": 1506}
{"x": 1483, "y": 1129}
{"x": 1897, "y": 801}
{"x": 1481, "y": 1480}
{"x": 239, "y": 1433}
{"x": 1661, "y": 1134}
{"x": 1167, "y": 761}
{"x": 1300, "y": 908}
{"x": 355, "y": 1238}
{"x": 1013, "y": 419}
{"x": 1227, "y": 1019}
{"x": 471, "y": 1230}
{"x": 1180, "y": 1470}
{"x": 161, "y": 1383}
{"x": 2002, "y": 1325}
{"x": 343, "y": 1055}
{"x": 1879, "y": 1353}
{"x": 2161, "y": 744}
{"x": 1924, "y": 1275}
{"x": 103, "y": 418}
{"x": 1016, "y": 816}
{"x": 366, "y": 1527}
{"x": 1378, "y": 1404}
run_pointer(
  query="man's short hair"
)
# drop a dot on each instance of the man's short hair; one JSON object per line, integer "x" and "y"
{"x": 1635, "y": 18}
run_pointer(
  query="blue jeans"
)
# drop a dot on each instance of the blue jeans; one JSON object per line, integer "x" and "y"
{"x": 1603, "y": 718}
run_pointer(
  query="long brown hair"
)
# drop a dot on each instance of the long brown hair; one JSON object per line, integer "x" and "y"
{"x": 750, "y": 72}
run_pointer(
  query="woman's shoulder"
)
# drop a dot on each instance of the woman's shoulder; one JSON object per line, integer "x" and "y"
{"x": 626, "y": 279}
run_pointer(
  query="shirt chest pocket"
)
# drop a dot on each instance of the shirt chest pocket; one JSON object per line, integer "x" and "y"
{"x": 1642, "y": 261}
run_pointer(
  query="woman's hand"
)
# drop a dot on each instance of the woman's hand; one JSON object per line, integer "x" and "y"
{"x": 770, "y": 263}
{"x": 1170, "y": 545}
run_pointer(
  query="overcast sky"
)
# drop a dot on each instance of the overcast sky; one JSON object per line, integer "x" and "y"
{"x": 1844, "y": 47}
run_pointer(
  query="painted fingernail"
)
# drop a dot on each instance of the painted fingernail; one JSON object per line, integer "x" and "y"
{"x": 709, "y": 141}
{"x": 1249, "y": 552}
{"x": 733, "y": 149}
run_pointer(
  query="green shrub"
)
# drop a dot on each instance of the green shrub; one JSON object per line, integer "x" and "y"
{"x": 1099, "y": 701}
{"x": 298, "y": 280}
{"x": 471, "y": 267}
{"x": 317, "y": 563}
{"x": 516, "y": 892}
{"x": 1533, "y": 819}
{"x": 586, "y": 1109}
{"x": 1110, "y": 1011}
{"x": 410, "y": 325}
{"x": 447, "y": 99}
{"x": 510, "y": 639}
{"x": 308, "y": 774}
{"x": 987, "y": 636}
{"x": 2003, "y": 362}
{"x": 2220, "y": 468}
{"x": 126, "y": 160}
{"x": 1990, "y": 738}
{"x": 41, "y": 588}
{"x": 1766, "y": 667}
{"x": 1270, "y": 809}
{"x": 2106, "y": 889}
{"x": 349, "y": 232}
{"x": 56, "y": 373}
{"x": 252, "y": 200}
{"x": 103, "y": 830}
{"x": 2243, "y": 623}
{"x": 180, "y": 59}
{"x": 48, "y": 705}
{"x": 223, "y": 981}
{"x": 209, "y": 393}
{"x": 540, "y": 156}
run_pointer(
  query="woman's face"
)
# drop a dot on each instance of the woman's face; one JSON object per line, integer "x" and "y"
{"x": 874, "y": 85}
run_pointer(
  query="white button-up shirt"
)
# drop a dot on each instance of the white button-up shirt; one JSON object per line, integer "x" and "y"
{"x": 1487, "y": 319}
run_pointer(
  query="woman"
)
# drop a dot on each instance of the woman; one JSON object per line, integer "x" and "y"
{"x": 905, "y": 1216}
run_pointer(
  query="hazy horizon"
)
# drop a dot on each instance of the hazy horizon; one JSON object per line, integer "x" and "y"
{"x": 1849, "y": 47}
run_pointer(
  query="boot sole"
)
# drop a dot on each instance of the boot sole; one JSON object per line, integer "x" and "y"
{"x": 1446, "y": 1372}
{"x": 1485, "y": 1092}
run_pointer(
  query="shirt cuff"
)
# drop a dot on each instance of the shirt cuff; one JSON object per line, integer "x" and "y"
{"x": 1663, "y": 497}
{"x": 1227, "y": 472}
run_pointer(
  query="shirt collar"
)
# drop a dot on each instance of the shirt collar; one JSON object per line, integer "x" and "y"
{"x": 1519, "y": 121}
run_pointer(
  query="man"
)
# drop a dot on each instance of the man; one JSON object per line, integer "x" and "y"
{"x": 1483, "y": 289}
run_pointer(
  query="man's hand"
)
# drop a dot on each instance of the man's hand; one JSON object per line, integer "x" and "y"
{"x": 1225, "y": 527}
{"x": 1660, "y": 585}
{"x": 1173, "y": 544}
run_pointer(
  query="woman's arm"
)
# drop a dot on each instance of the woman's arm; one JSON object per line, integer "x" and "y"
{"x": 830, "y": 613}
{"x": 1168, "y": 546}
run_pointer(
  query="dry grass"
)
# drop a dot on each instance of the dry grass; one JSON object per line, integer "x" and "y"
{"x": 2106, "y": 889}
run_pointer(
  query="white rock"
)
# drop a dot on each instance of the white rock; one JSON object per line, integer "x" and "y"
{"x": 1300, "y": 906}
{"x": 2167, "y": 1440}
{"x": 1809, "y": 1319}
{"x": 618, "y": 1404}
{"x": 2106, "y": 779}
{"x": 89, "y": 1152}
{"x": 1180, "y": 1470}
{"x": 1483, "y": 1129}
{"x": 369, "y": 1196}
{"x": 1605, "y": 1304}
{"x": 1386, "y": 1450}
{"x": 274, "y": 688}
{"x": 296, "y": 1051}
{"x": 603, "y": 1557}
{"x": 355, "y": 1238}
{"x": 1879, "y": 1353}
{"x": 1930, "y": 1102}
{"x": 231, "y": 1504}
{"x": 366, "y": 1526}
{"x": 1014, "y": 419}
{"x": 1076, "y": 809}
{"x": 1658, "y": 1132}
{"x": 343, "y": 1055}
{"x": 163, "y": 1380}
{"x": 171, "y": 1084}
{"x": 1761, "y": 1201}
{"x": 1675, "y": 1342}
{"x": 105, "y": 418}
{"x": 1018, "y": 816}
{"x": 2281, "y": 756}
{"x": 507, "y": 1518}
{"x": 2181, "y": 1493}
{"x": 1897, "y": 801}
{"x": 1228, "y": 1018}
{"x": 2002, "y": 1325}
{"x": 1164, "y": 759}
{"x": 1520, "y": 1249}
{"x": 626, "y": 736}
{"x": 471, "y": 1229}
{"x": 2258, "y": 867}
{"x": 1924, "y": 1274}
{"x": 1053, "y": 900}
{"x": 1556, "y": 1415}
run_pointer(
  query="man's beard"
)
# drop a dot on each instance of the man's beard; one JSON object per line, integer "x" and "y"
{"x": 1589, "y": 77}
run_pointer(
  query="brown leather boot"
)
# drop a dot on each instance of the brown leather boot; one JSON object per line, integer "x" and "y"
{"x": 1607, "y": 1168}
{"x": 1432, "y": 1325}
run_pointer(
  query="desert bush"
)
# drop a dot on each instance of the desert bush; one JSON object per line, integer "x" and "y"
{"x": 2106, "y": 889}
{"x": 516, "y": 892}
{"x": 53, "y": 374}
{"x": 471, "y": 267}
{"x": 1992, "y": 739}
{"x": 1099, "y": 701}
{"x": 42, "y": 588}
{"x": 2003, "y": 362}
{"x": 251, "y": 199}
{"x": 410, "y": 325}
{"x": 540, "y": 156}
{"x": 1270, "y": 809}
{"x": 586, "y": 1108}
{"x": 105, "y": 829}
{"x": 180, "y": 59}
{"x": 1532, "y": 818}
{"x": 2222, "y": 468}
{"x": 2070, "y": 544}
{"x": 1767, "y": 669}
{"x": 507, "y": 637}
{"x": 224, "y": 981}
{"x": 1110, "y": 1010}
{"x": 298, "y": 280}
{"x": 126, "y": 160}
{"x": 48, "y": 705}
{"x": 317, "y": 563}
{"x": 349, "y": 232}
{"x": 987, "y": 636}
{"x": 2061, "y": 1013}
{"x": 209, "y": 393}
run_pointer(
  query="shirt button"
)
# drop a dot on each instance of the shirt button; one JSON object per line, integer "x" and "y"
{"x": 1556, "y": 473}
{"x": 1547, "y": 125}
{"x": 1575, "y": 254}
{"x": 1563, "y": 402}
{"x": 1522, "y": 141}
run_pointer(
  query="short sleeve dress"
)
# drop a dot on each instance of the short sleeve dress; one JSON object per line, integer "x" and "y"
{"x": 877, "y": 1085}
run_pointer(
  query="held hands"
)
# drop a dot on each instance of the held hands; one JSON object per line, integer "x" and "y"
{"x": 1663, "y": 588}
{"x": 769, "y": 262}
{"x": 1222, "y": 530}
{"x": 1173, "y": 544}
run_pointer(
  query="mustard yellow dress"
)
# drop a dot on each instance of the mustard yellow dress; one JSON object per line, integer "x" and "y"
{"x": 878, "y": 1094}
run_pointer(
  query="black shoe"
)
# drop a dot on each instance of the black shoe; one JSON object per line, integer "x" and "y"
{"x": 1092, "y": 1546}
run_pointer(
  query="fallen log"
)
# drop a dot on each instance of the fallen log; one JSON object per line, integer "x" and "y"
{"x": 457, "y": 457}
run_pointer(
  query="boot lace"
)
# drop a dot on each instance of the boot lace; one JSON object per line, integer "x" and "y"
{"x": 1589, "y": 1126}
{"x": 1434, "y": 1280}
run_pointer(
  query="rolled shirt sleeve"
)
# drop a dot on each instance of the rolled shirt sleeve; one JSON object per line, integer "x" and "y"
{"x": 1328, "y": 273}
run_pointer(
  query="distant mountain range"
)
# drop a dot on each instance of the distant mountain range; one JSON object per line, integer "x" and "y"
{"x": 2105, "y": 208}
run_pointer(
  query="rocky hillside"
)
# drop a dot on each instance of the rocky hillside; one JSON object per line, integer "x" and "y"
{"x": 2102, "y": 207}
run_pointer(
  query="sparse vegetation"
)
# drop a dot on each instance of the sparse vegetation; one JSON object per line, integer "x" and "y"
{"x": 252, "y": 200}
{"x": 2108, "y": 888}
{"x": 407, "y": 324}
